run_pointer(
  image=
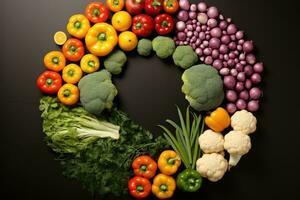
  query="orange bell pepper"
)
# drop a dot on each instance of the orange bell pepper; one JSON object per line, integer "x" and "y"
{"x": 218, "y": 120}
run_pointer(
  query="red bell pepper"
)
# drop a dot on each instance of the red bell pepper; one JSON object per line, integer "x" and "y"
{"x": 49, "y": 82}
{"x": 164, "y": 24}
{"x": 144, "y": 166}
{"x": 97, "y": 12}
{"x": 142, "y": 25}
{"x": 153, "y": 7}
{"x": 139, "y": 187}
{"x": 73, "y": 49}
{"x": 135, "y": 7}
{"x": 171, "y": 6}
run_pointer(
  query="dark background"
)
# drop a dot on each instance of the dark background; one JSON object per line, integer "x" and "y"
{"x": 148, "y": 91}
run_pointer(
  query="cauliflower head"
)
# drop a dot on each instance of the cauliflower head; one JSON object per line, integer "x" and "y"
{"x": 144, "y": 47}
{"x": 115, "y": 61}
{"x": 243, "y": 121}
{"x": 163, "y": 46}
{"x": 203, "y": 87}
{"x": 211, "y": 142}
{"x": 212, "y": 166}
{"x": 185, "y": 57}
{"x": 97, "y": 92}
{"x": 236, "y": 144}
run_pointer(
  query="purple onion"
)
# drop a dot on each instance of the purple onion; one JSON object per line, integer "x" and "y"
{"x": 256, "y": 78}
{"x": 239, "y": 86}
{"x": 196, "y": 34}
{"x": 221, "y": 57}
{"x": 233, "y": 72}
{"x": 214, "y": 43}
{"x": 248, "y": 84}
{"x": 231, "y": 108}
{"x": 221, "y": 17}
{"x": 212, "y": 12}
{"x": 229, "y": 20}
{"x": 236, "y": 60}
{"x": 204, "y": 28}
{"x": 181, "y": 43}
{"x": 198, "y": 42}
{"x": 192, "y": 15}
{"x": 231, "y": 95}
{"x": 248, "y": 46}
{"x": 202, "y": 58}
{"x": 232, "y": 37}
{"x": 239, "y": 47}
{"x": 239, "y": 35}
{"x": 215, "y": 53}
{"x": 183, "y": 15}
{"x": 223, "y": 49}
{"x": 217, "y": 64}
{"x": 198, "y": 29}
{"x": 180, "y": 26}
{"x": 205, "y": 43}
{"x": 185, "y": 30}
{"x": 212, "y": 23}
{"x": 226, "y": 57}
{"x": 189, "y": 27}
{"x": 251, "y": 59}
{"x": 207, "y": 51}
{"x": 239, "y": 67}
{"x": 231, "y": 55}
{"x": 187, "y": 39}
{"x": 229, "y": 82}
{"x": 177, "y": 42}
{"x": 224, "y": 71}
{"x": 207, "y": 37}
{"x": 193, "y": 45}
{"x": 253, "y": 106}
{"x": 194, "y": 21}
{"x": 202, "y": 18}
{"x": 243, "y": 62}
{"x": 241, "y": 76}
{"x": 232, "y": 45}
{"x": 193, "y": 7}
{"x": 184, "y": 4}
{"x": 225, "y": 39}
{"x": 202, "y": 7}
{"x": 248, "y": 70}
{"x": 231, "y": 63}
{"x": 231, "y": 29}
{"x": 216, "y": 32}
{"x": 241, "y": 42}
{"x": 255, "y": 93}
{"x": 199, "y": 51}
{"x": 258, "y": 67}
{"x": 241, "y": 104}
{"x": 181, "y": 36}
{"x": 223, "y": 25}
{"x": 201, "y": 35}
{"x": 208, "y": 60}
{"x": 225, "y": 63}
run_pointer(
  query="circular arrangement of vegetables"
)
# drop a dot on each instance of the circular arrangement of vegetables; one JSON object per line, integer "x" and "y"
{"x": 100, "y": 146}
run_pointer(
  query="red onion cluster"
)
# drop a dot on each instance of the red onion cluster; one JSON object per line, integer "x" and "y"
{"x": 218, "y": 42}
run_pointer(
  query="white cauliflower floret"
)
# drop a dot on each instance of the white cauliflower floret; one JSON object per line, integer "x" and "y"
{"x": 211, "y": 142}
{"x": 212, "y": 166}
{"x": 237, "y": 144}
{"x": 243, "y": 121}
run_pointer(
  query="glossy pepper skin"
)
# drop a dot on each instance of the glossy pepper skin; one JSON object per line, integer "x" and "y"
{"x": 78, "y": 26}
{"x": 153, "y": 7}
{"x": 139, "y": 187}
{"x": 73, "y": 49}
{"x": 97, "y": 12}
{"x": 89, "y": 63}
{"x": 144, "y": 166}
{"x": 68, "y": 94}
{"x": 72, "y": 73}
{"x": 49, "y": 82}
{"x": 55, "y": 61}
{"x": 101, "y": 39}
{"x": 135, "y": 7}
{"x": 171, "y": 6}
{"x": 164, "y": 24}
{"x": 218, "y": 120}
{"x": 168, "y": 162}
{"x": 189, "y": 180}
{"x": 143, "y": 25}
{"x": 163, "y": 186}
{"x": 115, "y": 5}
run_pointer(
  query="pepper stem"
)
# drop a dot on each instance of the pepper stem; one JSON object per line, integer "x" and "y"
{"x": 67, "y": 93}
{"x": 102, "y": 36}
{"x": 71, "y": 72}
{"x": 116, "y": 2}
{"x": 163, "y": 187}
{"x": 73, "y": 49}
{"x": 164, "y": 23}
{"x": 155, "y": 3}
{"x": 55, "y": 60}
{"x": 49, "y": 81}
{"x": 96, "y": 12}
{"x": 77, "y": 24}
{"x": 91, "y": 63}
{"x": 138, "y": 25}
{"x": 143, "y": 168}
{"x": 140, "y": 188}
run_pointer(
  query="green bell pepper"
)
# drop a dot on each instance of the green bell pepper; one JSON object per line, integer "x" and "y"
{"x": 189, "y": 180}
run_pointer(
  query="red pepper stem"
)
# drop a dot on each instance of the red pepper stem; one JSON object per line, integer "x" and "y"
{"x": 49, "y": 81}
{"x": 96, "y": 12}
{"x": 138, "y": 25}
{"x": 164, "y": 23}
{"x": 140, "y": 188}
{"x": 155, "y": 3}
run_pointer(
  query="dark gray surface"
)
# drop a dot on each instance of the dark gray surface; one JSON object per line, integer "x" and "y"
{"x": 148, "y": 90}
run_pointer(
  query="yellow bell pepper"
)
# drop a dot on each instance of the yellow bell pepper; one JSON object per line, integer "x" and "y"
{"x": 55, "y": 61}
{"x": 168, "y": 162}
{"x": 101, "y": 39}
{"x": 78, "y": 26}
{"x": 89, "y": 63}
{"x": 68, "y": 94}
{"x": 218, "y": 120}
{"x": 72, "y": 73}
{"x": 163, "y": 186}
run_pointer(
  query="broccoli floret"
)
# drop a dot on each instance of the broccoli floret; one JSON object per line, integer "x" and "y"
{"x": 163, "y": 46}
{"x": 115, "y": 61}
{"x": 97, "y": 92}
{"x": 185, "y": 57}
{"x": 144, "y": 47}
{"x": 203, "y": 87}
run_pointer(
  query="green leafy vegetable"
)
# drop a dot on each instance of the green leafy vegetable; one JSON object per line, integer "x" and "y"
{"x": 102, "y": 165}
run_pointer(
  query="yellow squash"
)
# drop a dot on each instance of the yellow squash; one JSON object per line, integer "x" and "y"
{"x": 101, "y": 39}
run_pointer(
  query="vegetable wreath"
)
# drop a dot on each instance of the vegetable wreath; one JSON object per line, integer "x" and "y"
{"x": 100, "y": 146}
